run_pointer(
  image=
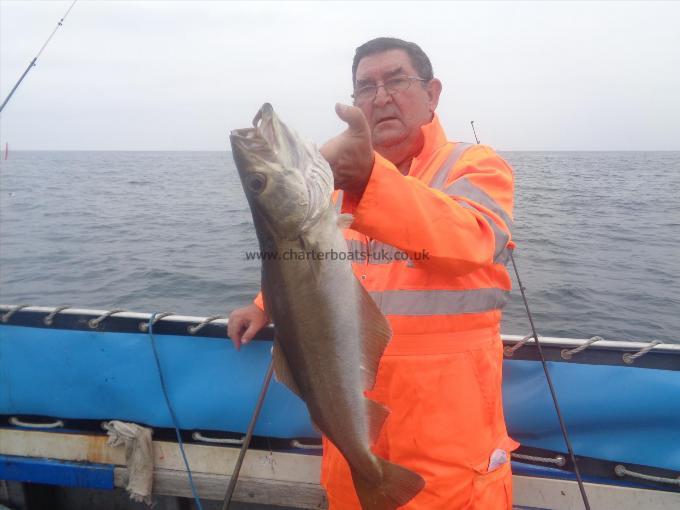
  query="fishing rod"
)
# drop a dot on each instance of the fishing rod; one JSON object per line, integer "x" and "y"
{"x": 553, "y": 394}
{"x": 563, "y": 426}
{"x": 249, "y": 434}
{"x": 472, "y": 123}
{"x": 32, "y": 64}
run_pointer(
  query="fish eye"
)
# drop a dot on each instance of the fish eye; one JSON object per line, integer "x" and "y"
{"x": 256, "y": 182}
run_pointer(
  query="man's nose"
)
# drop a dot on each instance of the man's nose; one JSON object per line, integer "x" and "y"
{"x": 382, "y": 97}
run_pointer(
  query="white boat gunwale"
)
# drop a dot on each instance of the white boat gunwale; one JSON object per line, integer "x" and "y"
{"x": 267, "y": 333}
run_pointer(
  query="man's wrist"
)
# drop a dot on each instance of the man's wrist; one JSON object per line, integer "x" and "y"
{"x": 356, "y": 189}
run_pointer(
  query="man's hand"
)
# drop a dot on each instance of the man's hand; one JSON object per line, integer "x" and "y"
{"x": 244, "y": 323}
{"x": 350, "y": 154}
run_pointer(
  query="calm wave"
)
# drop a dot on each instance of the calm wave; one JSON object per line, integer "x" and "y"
{"x": 598, "y": 237}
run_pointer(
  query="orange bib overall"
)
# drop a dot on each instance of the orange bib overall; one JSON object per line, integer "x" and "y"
{"x": 431, "y": 249}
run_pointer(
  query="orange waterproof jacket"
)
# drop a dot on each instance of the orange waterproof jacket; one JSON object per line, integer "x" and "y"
{"x": 430, "y": 247}
{"x": 451, "y": 218}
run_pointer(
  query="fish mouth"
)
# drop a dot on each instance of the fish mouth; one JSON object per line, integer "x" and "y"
{"x": 262, "y": 126}
{"x": 268, "y": 140}
{"x": 260, "y": 144}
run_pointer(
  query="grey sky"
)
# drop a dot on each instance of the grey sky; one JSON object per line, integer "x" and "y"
{"x": 178, "y": 75}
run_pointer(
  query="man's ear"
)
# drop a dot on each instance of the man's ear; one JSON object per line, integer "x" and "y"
{"x": 434, "y": 89}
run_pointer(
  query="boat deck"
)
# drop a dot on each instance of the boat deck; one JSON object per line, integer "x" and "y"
{"x": 281, "y": 478}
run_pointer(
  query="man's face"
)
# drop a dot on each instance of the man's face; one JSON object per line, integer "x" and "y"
{"x": 395, "y": 119}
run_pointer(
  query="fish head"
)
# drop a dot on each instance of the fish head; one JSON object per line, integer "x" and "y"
{"x": 286, "y": 180}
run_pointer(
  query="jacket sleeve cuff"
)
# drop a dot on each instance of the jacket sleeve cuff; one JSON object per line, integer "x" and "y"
{"x": 371, "y": 211}
{"x": 259, "y": 301}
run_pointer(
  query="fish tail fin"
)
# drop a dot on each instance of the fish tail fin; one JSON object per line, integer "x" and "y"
{"x": 396, "y": 488}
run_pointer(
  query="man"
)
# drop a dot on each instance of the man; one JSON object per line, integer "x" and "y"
{"x": 445, "y": 208}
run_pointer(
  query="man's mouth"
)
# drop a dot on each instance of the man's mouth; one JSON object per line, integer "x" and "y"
{"x": 381, "y": 120}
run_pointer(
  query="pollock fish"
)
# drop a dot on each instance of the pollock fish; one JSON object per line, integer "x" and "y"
{"x": 330, "y": 334}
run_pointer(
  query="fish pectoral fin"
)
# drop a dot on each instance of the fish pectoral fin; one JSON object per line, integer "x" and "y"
{"x": 345, "y": 220}
{"x": 377, "y": 414}
{"x": 397, "y": 487}
{"x": 282, "y": 370}
{"x": 375, "y": 335}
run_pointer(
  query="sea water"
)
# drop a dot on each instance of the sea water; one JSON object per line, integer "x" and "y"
{"x": 597, "y": 234}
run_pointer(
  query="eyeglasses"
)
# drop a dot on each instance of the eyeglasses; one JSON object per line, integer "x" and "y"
{"x": 391, "y": 86}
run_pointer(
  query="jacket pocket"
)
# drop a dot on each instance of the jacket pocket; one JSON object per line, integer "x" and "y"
{"x": 492, "y": 490}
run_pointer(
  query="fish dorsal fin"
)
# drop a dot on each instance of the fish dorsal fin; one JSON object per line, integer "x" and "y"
{"x": 345, "y": 220}
{"x": 282, "y": 370}
{"x": 377, "y": 414}
{"x": 375, "y": 335}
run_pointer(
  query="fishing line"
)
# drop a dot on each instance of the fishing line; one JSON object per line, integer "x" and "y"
{"x": 32, "y": 64}
{"x": 172, "y": 412}
{"x": 553, "y": 394}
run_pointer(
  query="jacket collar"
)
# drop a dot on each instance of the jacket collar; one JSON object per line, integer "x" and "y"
{"x": 434, "y": 136}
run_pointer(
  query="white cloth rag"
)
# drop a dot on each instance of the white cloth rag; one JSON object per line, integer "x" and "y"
{"x": 138, "y": 456}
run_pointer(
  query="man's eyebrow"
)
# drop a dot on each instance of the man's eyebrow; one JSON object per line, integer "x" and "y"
{"x": 389, "y": 74}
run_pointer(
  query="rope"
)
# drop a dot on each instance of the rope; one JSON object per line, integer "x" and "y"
{"x": 50, "y": 318}
{"x": 629, "y": 359}
{"x": 509, "y": 351}
{"x": 6, "y": 317}
{"x": 94, "y": 323}
{"x": 197, "y": 436}
{"x": 622, "y": 471}
{"x": 305, "y": 446}
{"x": 568, "y": 353}
{"x": 195, "y": 329}
{"x": 144, "y": 326}
{"x": 553, "y": 394}
{"x": 56, "y": 424}
{"x": 558, "y": 461}
{"x": 172, "y": 412}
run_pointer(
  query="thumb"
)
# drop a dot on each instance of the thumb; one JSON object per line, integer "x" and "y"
{"x": 353, "y": 116}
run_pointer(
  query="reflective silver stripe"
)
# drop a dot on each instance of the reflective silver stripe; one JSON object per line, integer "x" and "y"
{"x": 355, "y": 246}
{"x": 377, "y": 253}
{"x": 439, "y": 302}
{"x": 503, "y": 257}
{"x": 500, "y": 235}
{"x": 464, "y": 188}
{"x": 439, "y": 178}
{"x": 338, "y": 202}
{"x": 381, "y": 253}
